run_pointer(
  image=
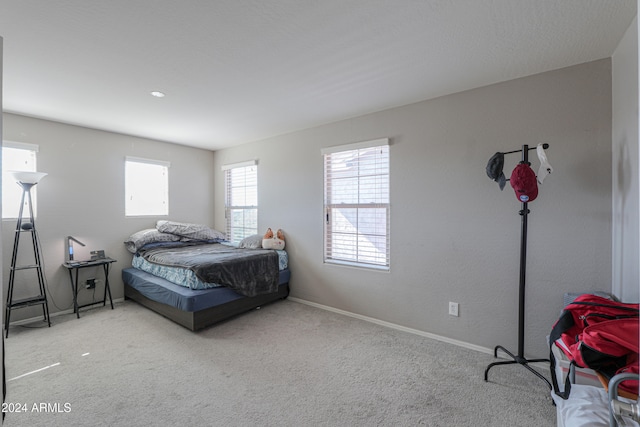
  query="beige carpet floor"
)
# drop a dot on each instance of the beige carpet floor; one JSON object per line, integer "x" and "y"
{"x": 287, "y": 364}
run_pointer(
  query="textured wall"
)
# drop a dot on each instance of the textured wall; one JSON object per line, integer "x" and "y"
{"x": 455, "y": 236}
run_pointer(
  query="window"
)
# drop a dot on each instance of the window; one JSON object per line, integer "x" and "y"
{"x": 356, "y": 204}
{"x": 241, "y": 200}
{"x": 146, "y": 187}
{"x": 17, "y": 156}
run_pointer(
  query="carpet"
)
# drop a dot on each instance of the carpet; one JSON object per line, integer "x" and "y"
{"x": 286, "y": 364}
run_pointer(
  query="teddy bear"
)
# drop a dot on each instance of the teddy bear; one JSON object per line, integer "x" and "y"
{"x": 269, "y": 241}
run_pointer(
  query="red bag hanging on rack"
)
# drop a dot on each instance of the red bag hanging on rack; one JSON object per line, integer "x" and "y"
{"x": 600, "y": 334}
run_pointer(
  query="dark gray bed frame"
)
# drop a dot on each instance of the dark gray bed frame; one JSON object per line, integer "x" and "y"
{"x": 196, "y": 320}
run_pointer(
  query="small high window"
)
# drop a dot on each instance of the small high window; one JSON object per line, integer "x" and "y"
{"x": 146, "y": 187}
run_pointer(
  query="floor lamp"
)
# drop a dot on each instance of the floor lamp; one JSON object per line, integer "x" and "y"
{"x": 26, "y": 180}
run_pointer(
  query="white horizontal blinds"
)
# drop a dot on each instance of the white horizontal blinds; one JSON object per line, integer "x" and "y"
{"x": 357, "y": 204}
{"x": 241, "y": 200}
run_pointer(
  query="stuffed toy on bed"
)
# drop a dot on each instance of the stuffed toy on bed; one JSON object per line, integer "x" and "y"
{"x": 269, "y": 241}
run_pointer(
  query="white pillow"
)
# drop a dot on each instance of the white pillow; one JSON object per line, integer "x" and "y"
{"x": 251, "y": 242}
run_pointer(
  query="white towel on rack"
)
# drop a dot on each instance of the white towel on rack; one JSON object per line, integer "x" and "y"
{"x": 545, "y": 168}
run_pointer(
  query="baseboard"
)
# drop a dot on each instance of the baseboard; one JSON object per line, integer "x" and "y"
{"x": 540, "y": 366}
{"x": 51, "y": 315}
{"x": 396, "y": 326}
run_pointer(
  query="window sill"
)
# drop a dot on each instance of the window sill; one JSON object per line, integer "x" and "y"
{"x": 357, "y": 265}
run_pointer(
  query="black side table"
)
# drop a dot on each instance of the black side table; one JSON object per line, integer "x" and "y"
{"x": 76, "y": 266}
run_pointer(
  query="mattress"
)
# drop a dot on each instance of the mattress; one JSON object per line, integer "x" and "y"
{"x": 186, "y": 277}
{"x": 185, "y": 299}
{"x": 249, "y": 272}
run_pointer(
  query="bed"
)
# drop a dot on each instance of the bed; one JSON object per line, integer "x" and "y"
{"x": 197, "y": 280}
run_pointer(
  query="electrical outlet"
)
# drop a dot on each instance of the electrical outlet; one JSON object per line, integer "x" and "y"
{"x": 91, "y": 283}
{"x": 453, "y": 308}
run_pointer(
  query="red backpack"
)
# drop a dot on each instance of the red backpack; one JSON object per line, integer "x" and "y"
{"x": 600, "y": 334}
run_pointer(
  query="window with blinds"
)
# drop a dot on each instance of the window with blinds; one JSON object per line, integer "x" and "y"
{"x": 241, "y": 200}
{"x": 356, "y": 204}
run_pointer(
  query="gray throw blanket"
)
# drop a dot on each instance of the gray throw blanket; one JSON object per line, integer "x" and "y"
{"x": 249, "y": 272}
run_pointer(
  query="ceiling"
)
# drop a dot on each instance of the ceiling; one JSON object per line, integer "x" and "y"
{"x": 236, "y": 71}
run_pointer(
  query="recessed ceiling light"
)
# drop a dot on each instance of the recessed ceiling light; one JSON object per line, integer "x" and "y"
{"x": 157, "y": 94}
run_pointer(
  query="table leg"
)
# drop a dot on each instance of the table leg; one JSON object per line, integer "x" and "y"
{"x": 74, "y": 290}
{"x": 107, "y": 288}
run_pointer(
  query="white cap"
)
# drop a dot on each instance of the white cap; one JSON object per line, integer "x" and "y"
{"x": 545, "y": 168}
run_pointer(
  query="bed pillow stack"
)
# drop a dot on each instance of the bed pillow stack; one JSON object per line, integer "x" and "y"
{"x": 189, "y": 231}
{"x": 171, "y": 231}
{"x": 149, "y": 235}
{"x": 266, "y": 241}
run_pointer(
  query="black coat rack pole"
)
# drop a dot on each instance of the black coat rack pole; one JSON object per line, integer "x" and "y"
{"x": 524, "y": 213}
{"x": 519, "y": 358}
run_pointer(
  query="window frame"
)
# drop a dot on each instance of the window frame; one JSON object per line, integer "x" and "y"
{"x": 9, "y": 204}
{"x": 365, "y": 248}
{"x": 163, "y": 191}
{"x": 236, "y": 233}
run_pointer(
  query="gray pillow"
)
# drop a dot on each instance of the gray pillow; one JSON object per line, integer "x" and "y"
{"x": 149, "y": 235}
{"x": 190, "y": 231}
{"x": 251, "y": 242}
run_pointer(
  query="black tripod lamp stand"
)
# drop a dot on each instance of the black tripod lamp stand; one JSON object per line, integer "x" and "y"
{"x": 520, "y": 358}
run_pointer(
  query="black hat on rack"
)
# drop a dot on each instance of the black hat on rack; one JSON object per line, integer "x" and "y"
{"x": 494, "y": 169}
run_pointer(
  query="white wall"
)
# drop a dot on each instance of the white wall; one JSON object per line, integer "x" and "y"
{"x": 626, "y": 190}
{"x": 455, "y": 236}
{"x": 83, "y": 196}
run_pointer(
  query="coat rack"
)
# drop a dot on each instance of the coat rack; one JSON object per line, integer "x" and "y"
{"x": 519, "y": 358}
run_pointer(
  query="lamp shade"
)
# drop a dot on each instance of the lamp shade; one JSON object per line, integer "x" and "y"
{"x": 28, "y": 177}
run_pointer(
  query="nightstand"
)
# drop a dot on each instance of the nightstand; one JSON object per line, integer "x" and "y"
{"x": 76, "y": 266}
